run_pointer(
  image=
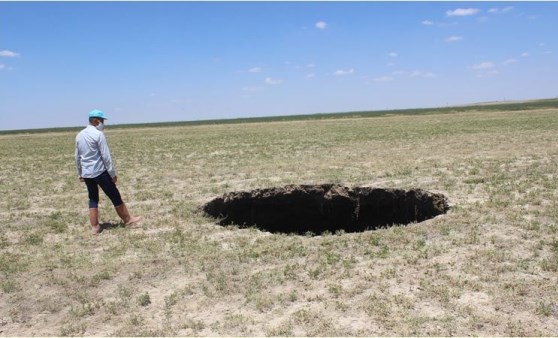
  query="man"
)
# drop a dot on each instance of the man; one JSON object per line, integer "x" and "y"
{"x": 95, "y": 168}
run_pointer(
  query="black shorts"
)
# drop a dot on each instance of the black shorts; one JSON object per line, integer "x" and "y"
{"x": 105, "y": 182}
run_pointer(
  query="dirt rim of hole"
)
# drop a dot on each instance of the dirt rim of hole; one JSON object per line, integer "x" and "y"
{"x": 303, "y": 209}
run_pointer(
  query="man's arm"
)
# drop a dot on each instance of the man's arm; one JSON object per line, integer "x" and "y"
{"x": 78, "y": 161}
{"x": 105, "y": 155}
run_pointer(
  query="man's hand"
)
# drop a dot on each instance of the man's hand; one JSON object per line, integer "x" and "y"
{"x": 81, "y": 179}
{"x": 114, "y": 179}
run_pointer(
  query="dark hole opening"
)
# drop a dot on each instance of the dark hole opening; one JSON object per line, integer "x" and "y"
{"x": 324, "y": 208}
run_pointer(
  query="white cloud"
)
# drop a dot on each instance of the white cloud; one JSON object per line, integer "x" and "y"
{"x": 310, "y": 76}
{"x": 484, "y": 69}
{"x": 509, "y": 62}
{"x": 427, "y": 22}
{"x": 415, "y": 73}
{"x": 342, "y": 72}
{"x": 421, "y": 73}
{"x": 393, "y": 54}
{"x": 454, "y": 38}
{"x": 310, "y": 65}
{"x": 8, "y": 53}
{"x": 524, "y": 54}
{"x": 321, "y": 25}
{"x": 255, "y": 70}
{"x": 271, "y": 81}
{"x": 383, "y": 79}
{"x": 5, "y": 67}
{"x": 483, "y": 65}
{"x": 498, "y": 10}
{"x": 463, "y": 12}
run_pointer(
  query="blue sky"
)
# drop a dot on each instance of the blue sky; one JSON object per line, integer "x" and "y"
{"x": 179, "y": 61}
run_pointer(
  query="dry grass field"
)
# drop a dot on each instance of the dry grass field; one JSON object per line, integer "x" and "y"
{"x": 487, "y": 267}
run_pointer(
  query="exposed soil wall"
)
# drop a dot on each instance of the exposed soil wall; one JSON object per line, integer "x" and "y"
{"x": 327, "y": 207}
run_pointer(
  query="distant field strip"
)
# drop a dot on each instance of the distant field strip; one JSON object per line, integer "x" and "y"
{"x": 485, "y": 107}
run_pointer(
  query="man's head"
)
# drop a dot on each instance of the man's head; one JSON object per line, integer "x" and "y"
{"x": 97, "y": 118}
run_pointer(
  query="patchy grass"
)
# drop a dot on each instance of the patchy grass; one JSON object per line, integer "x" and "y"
{"x": 488, "y": 267}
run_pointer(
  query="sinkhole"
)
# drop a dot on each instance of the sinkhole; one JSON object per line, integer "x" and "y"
{"x": 300, "y": 209}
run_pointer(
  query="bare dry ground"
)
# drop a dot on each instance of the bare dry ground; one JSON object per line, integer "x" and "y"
{"x": 487, "y": 267}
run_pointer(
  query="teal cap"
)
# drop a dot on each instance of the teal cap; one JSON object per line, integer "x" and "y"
{"x": 97, "y": 113}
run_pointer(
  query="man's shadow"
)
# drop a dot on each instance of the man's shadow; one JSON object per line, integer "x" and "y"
{"x": 110, "y": 226}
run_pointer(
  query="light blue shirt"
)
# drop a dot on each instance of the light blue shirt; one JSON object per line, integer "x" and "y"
{"x": 92, "y": 153}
